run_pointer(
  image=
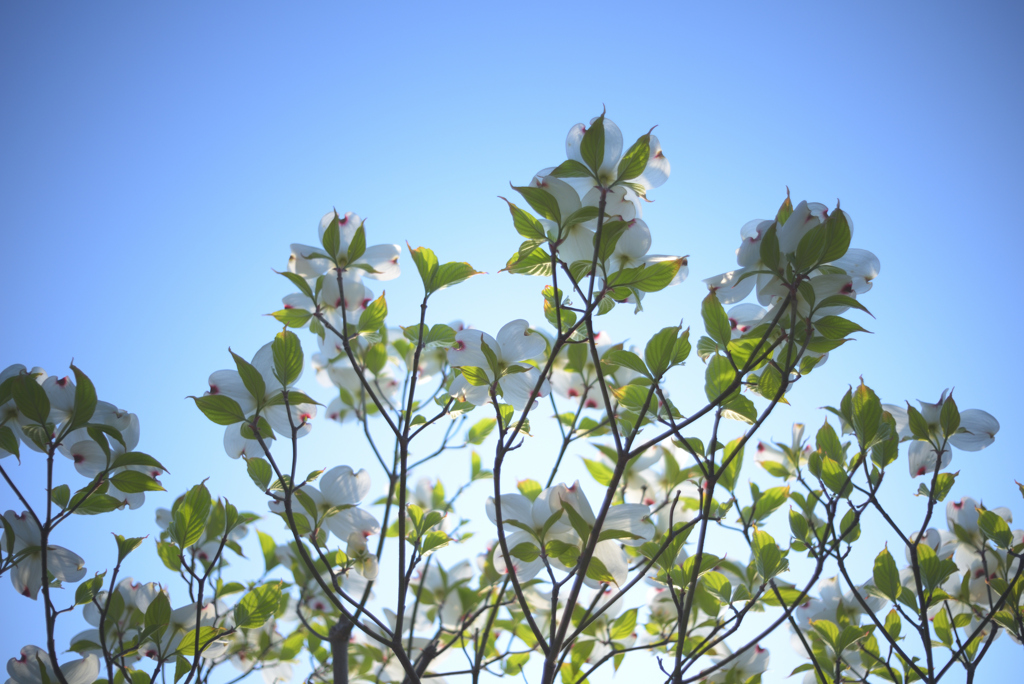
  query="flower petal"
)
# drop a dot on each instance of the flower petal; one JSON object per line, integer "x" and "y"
{"x": 981, "y": 429}
{"x": 517, "y": 343}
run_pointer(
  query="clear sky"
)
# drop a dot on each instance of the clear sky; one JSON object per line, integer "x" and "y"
{"x": 156, "y": 161}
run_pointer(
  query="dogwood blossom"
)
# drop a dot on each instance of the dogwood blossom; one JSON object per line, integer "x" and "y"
{"x": 229, "y": 383}
{"x": 515, "y": 379}
{"x": 977, "y": 430}
{"x": 34, "y": 667}
{"x": 27, "y": 574}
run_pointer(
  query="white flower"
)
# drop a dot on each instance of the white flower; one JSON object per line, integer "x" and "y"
{"x": 631, "y": 520}
{"x": 785, "y": 460}
{"x": 27, "y": 574}
{"x": 858, "y": 267}
{"x": 229, "y": 383}
{"x": 516, "y": 343}
{"x": 33, "y": 667}
{"x": 443, "y": 586}
{"x": 833, "y": 602}
{"x": 977, "y": 430}
{"x": 752, "y": 661}
{"x": 340, "y": 488}
{"x": 654, "y": 175}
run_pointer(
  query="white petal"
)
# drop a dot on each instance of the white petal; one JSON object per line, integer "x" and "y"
{"x": 342, "y": 486}
{"x": 229, "y": 383}
{"x": 517, "y": 343}
{"x": 65, "y": 565}
{"x": 567, "y": 198}
{"x": 516, "y": 388}
{"x": 632, "y": 518}
{"x": 513, "y": 507}
{"x": 384, "y": 260}
{"x": 922, "y": 458}
{"x": 729, "y": 288}
{"x": 307, "y": 268}
{"x": 658, "y": 168}
{"x": 981, "y": 429}
{"x": 614, "y": 558}
{"x": 468, "y": 350}
{"x": 478, "y": 395}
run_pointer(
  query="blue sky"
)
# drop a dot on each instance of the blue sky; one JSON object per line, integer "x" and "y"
{"x": 157, "y": 161}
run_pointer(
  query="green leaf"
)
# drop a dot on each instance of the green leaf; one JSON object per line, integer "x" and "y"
{"x": 571, "y": 168}
{"x": 287, "y": 351}
{"x": 798, "y": 525}
{"x": 537, "y": 262}
{"x": 31, "y": 399}
{"x": 835, "y": 327}
{"x": 949, "y": 417}
{"x": 136, "y": 458}
{"x": 190, "y": 516}
{"x": 542, "y": 201}
{"x": 426, "y": 264}
{"x": 375, "y": 357}
{"x": 810, "y": 249}
{"x": 635, "y": 160}
{"x": 592, "y": 145}
{"x": 331, "y": 239}
{"x": 624, "y": 625}
{"x": 293, "y": 318}
{"x": 835, "y": 478}
{"x": 660, "y": 350}
{"x": 88, "y": 589}
{"x": 299, "y": 282}
{"x": 373, "y": 317}
{"x": 729, "y": 472}
{"x": 739, "y": 407}
{"x": 653, "y": 277}
{"x": 258, "y": 605}
{"x": 269, "y": 549}
{"x": 867, "y": 414}
{"x": 621, "y": 357}
{"x": 60, "y": 495}
{"x": 452, "y": 273}
{"x": 260, "y": 472}
{"x": 769, "y": 502}
{"x": 716, "y": 322}
{"x": 478, "y": 433}
{"x": 475, "y": 376}
{"x": 719, "y": 376}
{"x": 85, "y": 400}
{"x": 596, "y": 570}
{"x": 770, "y": 255}
{"x": 706, "y": 347}
{"x": 681, "y": 349}
{"x": 842, "y": 300}
{"x": 357, "y": 247}
{"x": 525, "y": 224}
{"x": 581, "y": 526}
{"x": 995, "y": 528}
{"x": 170, "y": 554}
{"x": 158, "y": 613}
{"x": 433, "y": 540}
{"x": 525, "y": 551}
{"x": 529, "y": 488}
{"x": 8, "y": 442}
{"x": 887, "y": 576}
{"x": 599, "y": 471}
{"x": 206, "y": 636}
{"x": 220, "y": 409}
{"x": 126, "y": 546}
{"x": 133, "y": 482}
{"x": 251, "y": 378}
{"x": 838, "y": 234}
{"x": 767, "y": 556}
